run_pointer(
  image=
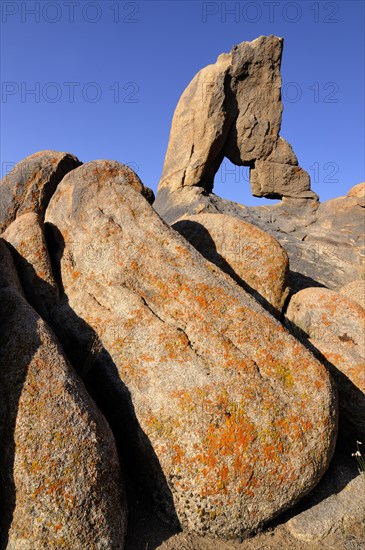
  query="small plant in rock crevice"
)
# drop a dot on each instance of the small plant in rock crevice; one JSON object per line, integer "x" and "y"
{"x": 360, "y": 458}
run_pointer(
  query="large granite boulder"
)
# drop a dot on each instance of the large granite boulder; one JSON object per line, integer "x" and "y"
{"x": 30, "y": 184}
{"x": 60, "y": 477}
{"x": 358, "y": 191}
{"x": 254, "y": 259}
{"x": 324, "y": 241}
{"x": 231, "y": 419}
{"x": 335, "y": 326}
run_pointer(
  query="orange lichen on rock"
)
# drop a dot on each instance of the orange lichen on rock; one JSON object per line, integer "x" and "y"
{"x": 211, "y": 374}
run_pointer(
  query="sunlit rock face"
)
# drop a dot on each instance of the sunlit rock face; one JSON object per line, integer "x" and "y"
{"x": 230, "y": 418}
{"x": 233, "y": 109}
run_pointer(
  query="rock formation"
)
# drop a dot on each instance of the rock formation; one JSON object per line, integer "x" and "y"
{"x": 31, "y": 183}
{"x": 60, "y": 475}
{"x": 355, "y": 291}
{"x": 339, "y": 504}
{"x": 233, "y": 109}
{"x": 207, "y": 369}
{"x": 203, "y": 363}
{"x": 26, "y": 237}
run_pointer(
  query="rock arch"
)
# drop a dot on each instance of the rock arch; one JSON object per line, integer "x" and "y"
{"x": 233, "y": 109}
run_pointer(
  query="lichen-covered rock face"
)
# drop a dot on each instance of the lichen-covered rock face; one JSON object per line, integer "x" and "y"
{"x": 61, "y": 485}
{"x": 31, "y": 183}
{"x": 335, "y": 326}
{"x": 254, "y": 259}
{"x": 239, "y": 416}
{"x": 355, "y": 291}
{"x": 233, "y": 109}
{"x": 321, "y": 312}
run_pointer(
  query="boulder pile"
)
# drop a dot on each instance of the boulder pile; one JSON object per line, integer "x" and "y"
{"x": 177, "y": 365}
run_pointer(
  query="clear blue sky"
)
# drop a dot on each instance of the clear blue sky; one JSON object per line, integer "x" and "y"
{"x": 106, "y": 77}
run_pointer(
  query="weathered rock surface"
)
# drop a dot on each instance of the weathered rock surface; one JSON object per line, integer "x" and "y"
{"x": 31, "y": 183}
{"x": 27, "y": 240}
{"x": 233, "y": 109}
{"x": 60, "y": 478}
{"x": 337, "y": 521}
{"x": 324, "y": 314}
{"x": 338, "y": 233}
{"x": 232, "y": 418}
{"x": 358, "y": 191}
{"x": 199, "y": 128}
{"x": 335, "y": 326}
{"x": 276, "y": 180}
{"x": 348, "y": 370}
{"x": 340, "y": 503}
{"x": 254, "y": 259}
{"x": 325, "y": 242}
{"x": 355, "y": 291}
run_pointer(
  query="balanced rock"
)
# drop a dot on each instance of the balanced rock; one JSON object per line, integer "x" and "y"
{"x": 233, "y": 419}
{"x": 254, "y": 259}
{"x": 335, "y": 326}
{"x": 31, "y": 183}
{"x": 61, "y": 484}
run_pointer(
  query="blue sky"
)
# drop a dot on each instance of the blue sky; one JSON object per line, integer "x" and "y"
{"x": 106, "y": 77}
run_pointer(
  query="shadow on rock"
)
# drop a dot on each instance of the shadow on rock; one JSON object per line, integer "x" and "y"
{"x": 210, "y": 253}
{"x": 340, "y": 473}
{"x": 14, "y": 365}
{"x": 147, "y": 490}
{"x": 297, "y": 281}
